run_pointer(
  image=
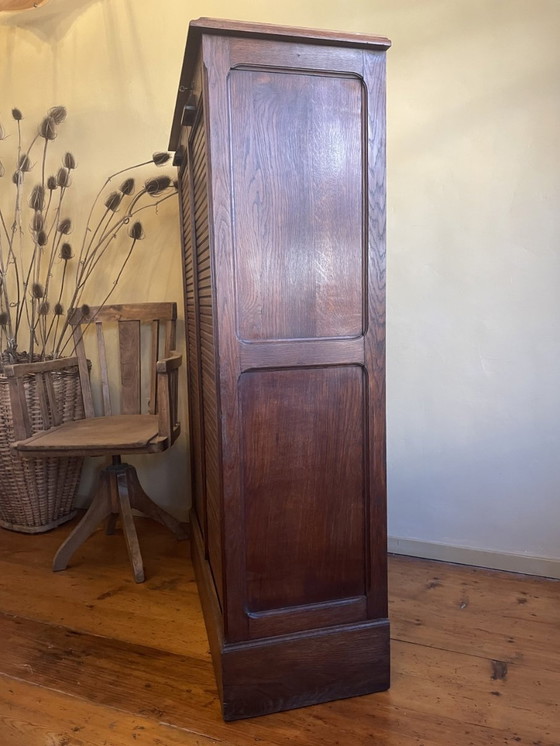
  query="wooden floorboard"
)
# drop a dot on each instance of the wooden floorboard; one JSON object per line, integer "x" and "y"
{"x": 87, "y": 656}
{"x": 34, "y": 716}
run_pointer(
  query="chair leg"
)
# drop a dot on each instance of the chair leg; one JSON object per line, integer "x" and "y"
{"x": 129, "y": 529}
{"x": 111, "y": 524}
{"x": 142, "y": 502}
{"x": 114, "y": 494}
{"x": 118, "y": 492}
{"x": 99, "y": 509}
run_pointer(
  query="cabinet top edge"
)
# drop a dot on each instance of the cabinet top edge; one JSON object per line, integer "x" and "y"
{"x": 245, "y": 29}
{"x": 301, "y": 34}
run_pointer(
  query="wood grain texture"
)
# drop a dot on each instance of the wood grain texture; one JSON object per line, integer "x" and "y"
{"x": 84, "y": 368}
{"x": 374, "y": 339}
{"x": 304, "y": 522}
{"x": 509, "y": 623}
{"x": 255, "y": 32}
{"x": 139, "y": 669}
{"x": 22, "y": 369}
{"x": 103, "y": 369}
{"x": 130, "y": 366}
{"x": 97, "y": 595}
{"x": 124, "y": 312}
{"x": 292, "y": 671}
{"x": 215, "y": 105}
{"x": 30, "y": 716}
{"x": 297, "y": 188}
{"x": 98, "y": 436}
{"x": 290, "y": 33}
{"x": 284, "y": 277}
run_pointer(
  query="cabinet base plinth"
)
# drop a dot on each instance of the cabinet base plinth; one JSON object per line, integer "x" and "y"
{"x": 283, "y": 673}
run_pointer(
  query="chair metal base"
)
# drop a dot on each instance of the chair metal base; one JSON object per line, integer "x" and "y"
{"x": 118, "y": 493}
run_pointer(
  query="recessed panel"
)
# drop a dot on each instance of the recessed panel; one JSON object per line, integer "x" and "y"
{"x": 303, "y": 458}
{"x": 298, "y": 179}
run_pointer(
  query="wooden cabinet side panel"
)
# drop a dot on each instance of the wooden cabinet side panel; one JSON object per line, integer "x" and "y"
{"x": 302, "y": 315}
{"x": 297, "y": 195}
{"x": 374, "y": 341}
{"x": 303, "y": 452}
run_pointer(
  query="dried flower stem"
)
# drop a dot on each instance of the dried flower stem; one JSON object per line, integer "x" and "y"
{"x": 31, "y": 242}
{"x": 98, "y": 195}
{"x": 94, "y": 260}
{"x": 60, "y": 350}
{"x": 56, "y": 316}
{"x": 104, "y": 241}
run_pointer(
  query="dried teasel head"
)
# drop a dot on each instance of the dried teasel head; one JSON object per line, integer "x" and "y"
{"x": 66, "y": 252}
{"x": 2, "y": 132}
{"x": 113, "y": 201}
{"x": 160, "y": 159}
{"x": 24, "y": 163}
{"x": 65, "y": 226}
{"x": 37, "y": 290}
{"x": 136, "y": 231}
{"x": 127, "y": 187}
{"x": 3, "y": 318}
{"x": 37, "y": 222}
{"x": 17, "y": 115}
{"x": 57, "y": 114}
{"x": 42, "y": 238}
{"x": 58, "y": 309}
{"x": 51, "y": 183}
{"x": 44, "y": 308}
{"x": 17, "y": 178}
{"x": 63, "y": 177}
{"x": 157, "y": 185}
{"x": 2, "y": 169}
{"x": 85, "y": 309}
{"x": 69, "y": 161}
{"x": 47, "y": 128}
{"x": 37, "y": 198}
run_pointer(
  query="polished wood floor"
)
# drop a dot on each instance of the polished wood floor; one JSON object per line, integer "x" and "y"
{"x": 88, "y": 657}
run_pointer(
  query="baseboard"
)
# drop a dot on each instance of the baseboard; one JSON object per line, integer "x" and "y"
{"x": 526, "y": 564}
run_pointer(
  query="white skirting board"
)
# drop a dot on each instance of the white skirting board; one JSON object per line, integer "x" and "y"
{"x": 528, "y": 565}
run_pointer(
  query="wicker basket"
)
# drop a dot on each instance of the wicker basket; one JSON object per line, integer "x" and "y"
{"x": 36, "y": 495}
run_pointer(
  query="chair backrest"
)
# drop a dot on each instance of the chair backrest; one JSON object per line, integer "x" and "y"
{"x": 160, "y": 320}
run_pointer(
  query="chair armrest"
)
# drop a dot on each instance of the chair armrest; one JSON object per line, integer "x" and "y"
{"x": 167, "y": 364}
{"x": 167, "y": 396}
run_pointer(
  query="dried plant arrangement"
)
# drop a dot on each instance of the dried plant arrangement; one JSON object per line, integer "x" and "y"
{"x": 43, "y": 272}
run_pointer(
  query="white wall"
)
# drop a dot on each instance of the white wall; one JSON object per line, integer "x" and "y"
{"x": 474, "y": 276}
{"x": 473, "y": 229}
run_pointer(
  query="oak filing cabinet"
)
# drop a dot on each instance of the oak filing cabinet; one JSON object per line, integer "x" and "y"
{"x": 279, "y": 136}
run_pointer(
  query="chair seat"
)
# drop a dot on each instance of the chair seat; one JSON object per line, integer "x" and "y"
{"x": 98, "y": 436}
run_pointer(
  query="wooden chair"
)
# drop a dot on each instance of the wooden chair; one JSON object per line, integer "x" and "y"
{"x": 128, "y": 430}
